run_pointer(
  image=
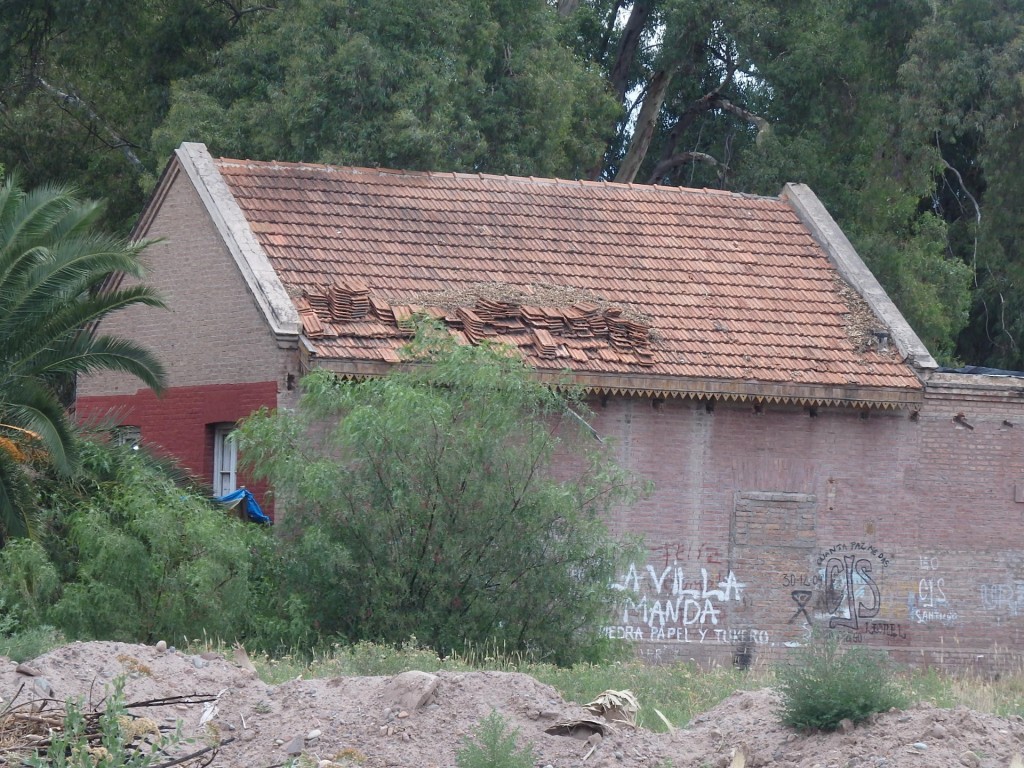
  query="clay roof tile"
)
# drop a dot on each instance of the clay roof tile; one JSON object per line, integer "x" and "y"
{"x": 378, "y": 242}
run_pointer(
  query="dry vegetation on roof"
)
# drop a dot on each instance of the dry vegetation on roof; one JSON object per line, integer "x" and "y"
{"x": 861, "y": 322}
{"x": 536, "y": 295}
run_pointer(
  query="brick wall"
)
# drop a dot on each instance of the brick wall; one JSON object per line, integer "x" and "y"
{"x": 900, "y": 528}
{"x": 180, "y": 423}
{"x": 904, "y": 529}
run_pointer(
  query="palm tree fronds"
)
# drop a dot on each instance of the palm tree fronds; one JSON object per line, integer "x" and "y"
{"x": 107, "y": 353}
{"x": 37, "y": 409}
{"x": 56, "y": 273}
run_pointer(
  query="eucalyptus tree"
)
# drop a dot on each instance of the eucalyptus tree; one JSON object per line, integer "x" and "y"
{"x": 432, "y": 85}
{"x": 962, "y": 99}
{"x": 82, "y": 85}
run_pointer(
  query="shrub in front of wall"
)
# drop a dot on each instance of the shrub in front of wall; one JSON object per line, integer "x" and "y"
{"x": 139, "y": 558}
{"x": 828, "y": 681}
{"x": 429, "y": 502}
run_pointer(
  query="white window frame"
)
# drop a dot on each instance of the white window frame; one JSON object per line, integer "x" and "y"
{"x": 225, "y": 460}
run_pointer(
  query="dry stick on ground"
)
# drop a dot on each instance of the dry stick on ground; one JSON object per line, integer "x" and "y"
{"x": 24, "y": 729}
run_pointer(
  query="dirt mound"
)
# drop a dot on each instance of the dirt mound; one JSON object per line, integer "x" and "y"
{"x": 362, "y": 720}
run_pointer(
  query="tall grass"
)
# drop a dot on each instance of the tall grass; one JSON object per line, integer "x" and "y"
{"x": 29, "y": 643}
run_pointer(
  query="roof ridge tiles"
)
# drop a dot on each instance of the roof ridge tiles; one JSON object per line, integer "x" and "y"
{"x": 460, "y": 175}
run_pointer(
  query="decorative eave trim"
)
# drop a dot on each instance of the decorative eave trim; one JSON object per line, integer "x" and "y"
{"x": 665, "y": 387}
{"x": 852, "y": 269}
{"x": 263, "y": 282}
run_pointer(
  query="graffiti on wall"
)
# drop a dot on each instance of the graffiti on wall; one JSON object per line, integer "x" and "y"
{"x": 928, "y": 603}
{"x": 1006, "y": 598}
{"x": 665, "y": 600}
{"x": 850, "y": 593}
{"x": 670, "y": 553}
{"x": 846, "y": 593}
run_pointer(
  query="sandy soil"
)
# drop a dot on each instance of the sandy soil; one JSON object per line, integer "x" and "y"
{"x": 359, "y": 721}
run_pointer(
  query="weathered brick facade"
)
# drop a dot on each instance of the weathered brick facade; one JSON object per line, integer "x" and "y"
{"x": 905, "y": 529}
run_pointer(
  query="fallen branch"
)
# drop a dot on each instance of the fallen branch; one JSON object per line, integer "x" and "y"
{"x": 682, "y": 158}
{"x": 26, "y": 731}
{"x": 198, "y": 753}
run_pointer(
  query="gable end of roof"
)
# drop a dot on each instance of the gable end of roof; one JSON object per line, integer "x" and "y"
{"x": 252, "y": 261}
{"x": 854, "y": 271}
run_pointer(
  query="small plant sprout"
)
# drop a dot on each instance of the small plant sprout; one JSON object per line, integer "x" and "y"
{"x": 493, "y": 745}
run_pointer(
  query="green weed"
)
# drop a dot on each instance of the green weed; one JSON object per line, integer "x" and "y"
{"x": 827, "y": 681}
{"x": 109, "y": 739}
{"x": 494, "y": 746}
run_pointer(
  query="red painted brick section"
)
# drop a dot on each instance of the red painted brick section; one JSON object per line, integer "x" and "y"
{"x": 179, "y": 423}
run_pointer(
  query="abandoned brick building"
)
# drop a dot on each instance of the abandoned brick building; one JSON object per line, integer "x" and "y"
{"x": 812, "y": 465}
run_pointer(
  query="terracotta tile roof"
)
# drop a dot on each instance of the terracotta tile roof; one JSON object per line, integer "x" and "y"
{"x": 594, "y": 277}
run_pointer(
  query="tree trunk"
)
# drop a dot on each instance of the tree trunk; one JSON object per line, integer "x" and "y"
{"x": 628, "y": 44}
{"x": 567, "y": 7}
{"x": 713, "y": 100}
{"x": 646, "y": 122}
{"x": 609, "y": 27}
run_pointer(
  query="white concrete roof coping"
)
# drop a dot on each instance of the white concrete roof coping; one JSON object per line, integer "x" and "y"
{"x": 855, "y": 272}
{"x": 264, "y": 284}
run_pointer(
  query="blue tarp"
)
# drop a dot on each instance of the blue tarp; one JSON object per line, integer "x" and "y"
{"x": 250, "y": 505}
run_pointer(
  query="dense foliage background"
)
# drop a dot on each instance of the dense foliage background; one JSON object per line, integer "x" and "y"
{"x": 903, "y": 115}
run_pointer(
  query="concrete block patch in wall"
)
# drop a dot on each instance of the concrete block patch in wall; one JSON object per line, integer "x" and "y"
{"x": 773, "y": 519}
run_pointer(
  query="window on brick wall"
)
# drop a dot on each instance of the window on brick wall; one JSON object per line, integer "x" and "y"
{"x": 126, "y": 434}
{"x": 225, "y": 460}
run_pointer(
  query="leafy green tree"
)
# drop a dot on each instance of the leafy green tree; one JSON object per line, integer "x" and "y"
{"x": 128, "y": 554}
{"x": 833, "y": 70}
{"x": 961, "y": 97}
{"x": 53, "y": 263}
{"x": 425, "y": 503}
{"x": 82, "y": 85}
{"x": 470, "y": 85}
